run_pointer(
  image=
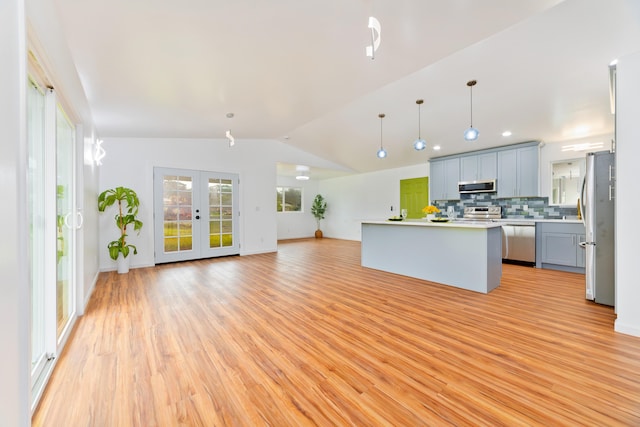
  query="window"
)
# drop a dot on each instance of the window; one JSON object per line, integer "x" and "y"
{"x": 289, "y": 199}
{"x": 566, "y": 181}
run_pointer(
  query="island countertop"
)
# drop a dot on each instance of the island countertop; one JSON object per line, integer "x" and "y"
{"x": 425, "y": 223}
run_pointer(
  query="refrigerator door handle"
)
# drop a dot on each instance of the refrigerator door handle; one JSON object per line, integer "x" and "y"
{"x": 581, "y": 201}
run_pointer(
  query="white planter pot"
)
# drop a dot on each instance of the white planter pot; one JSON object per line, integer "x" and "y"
{"x": 123, "y": 264}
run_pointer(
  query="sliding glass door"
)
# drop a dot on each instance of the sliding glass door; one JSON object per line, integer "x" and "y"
{"x": 52, "y": 225}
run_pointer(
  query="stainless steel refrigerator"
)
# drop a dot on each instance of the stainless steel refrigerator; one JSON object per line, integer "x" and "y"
{"x": 597, "y": 206}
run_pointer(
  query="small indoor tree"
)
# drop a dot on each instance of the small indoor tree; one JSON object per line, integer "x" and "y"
{"x": 128, "y": 204}
{"x": 318, "y": 209}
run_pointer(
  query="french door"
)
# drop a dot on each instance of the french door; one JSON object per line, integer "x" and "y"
{"x": 196, "y": 214}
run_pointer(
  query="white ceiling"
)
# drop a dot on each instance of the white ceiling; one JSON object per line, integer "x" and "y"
{"x": 296, "y": 71}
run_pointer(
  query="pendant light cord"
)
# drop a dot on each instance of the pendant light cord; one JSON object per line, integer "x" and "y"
{"x": 471, "y": 106}
{"x": 381, "y": 117}
{"x": 419, "y": 129}
{"x": 471, "y": 84}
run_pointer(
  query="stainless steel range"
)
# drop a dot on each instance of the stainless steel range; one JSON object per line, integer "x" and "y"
{"x": 518, "y": 236}
{"x": 485, "y": 213}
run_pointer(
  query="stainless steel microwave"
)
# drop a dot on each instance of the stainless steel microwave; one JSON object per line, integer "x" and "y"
{"x": 485, "y": 186}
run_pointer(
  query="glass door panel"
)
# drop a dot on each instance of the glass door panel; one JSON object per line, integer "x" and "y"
{"x": 220, "y": 212}
{"x": 177, "y": 225}
{"x": 65, "y": 203}
{"x": 36, "y": 215}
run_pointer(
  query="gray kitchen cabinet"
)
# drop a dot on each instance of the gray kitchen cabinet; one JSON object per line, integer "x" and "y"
{"x": 518, "y": 172}
{"x": 558, "y": 246}
{"x": 479, "y": 167}
{"x": 443, "y": 180}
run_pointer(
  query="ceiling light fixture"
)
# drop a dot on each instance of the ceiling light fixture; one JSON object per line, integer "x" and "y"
{"x": 419, "y": 144}
{"x": 230, "y": 137}
{"x": 302, "y": 177}
{"x": 374, "y": 26}
{"x": 99, "y": 153}
{"x": 381, "y": 152}
{"x": 436, "y": 147}
{"x": 506, "y": 133}
{"x": 472, "y": 133}
{"x": 302, "y": 172}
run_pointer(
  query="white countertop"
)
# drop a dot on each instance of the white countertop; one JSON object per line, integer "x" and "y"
{"x": 568, "y": 221}
{"x": 425, "y": 223}
{"x": 469, "y": 224}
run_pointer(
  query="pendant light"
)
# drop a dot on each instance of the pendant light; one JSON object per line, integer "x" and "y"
{"x": 374, "y": 26}
{"x": 381, "y": 152}
{"x": 472, "y": 133}
{"x": 419, "y": 144}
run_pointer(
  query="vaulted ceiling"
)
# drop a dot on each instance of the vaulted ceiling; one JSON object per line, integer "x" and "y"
{"x": 296, "y": 71}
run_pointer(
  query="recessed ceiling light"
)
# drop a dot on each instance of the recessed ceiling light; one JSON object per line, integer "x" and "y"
{"x": 506, "y": 133}
{"x": 436, "y": 147}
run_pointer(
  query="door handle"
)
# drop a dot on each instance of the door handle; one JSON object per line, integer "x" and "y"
{"x": 79, "y": 220}
{"x": 66, "y": 220}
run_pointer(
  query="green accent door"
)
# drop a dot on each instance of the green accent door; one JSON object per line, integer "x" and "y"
{"x": 414, "y": 195}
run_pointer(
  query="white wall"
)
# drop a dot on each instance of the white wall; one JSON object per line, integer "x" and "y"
{"x": 296, "y": 225}
{"x": 354, "y": 198}
{"x": 627, "y": 230}
{"x": 130, "y": 161}
{"x": 14, "y": 286}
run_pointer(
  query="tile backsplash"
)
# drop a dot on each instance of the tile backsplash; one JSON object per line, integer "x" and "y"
{"x": 536, "y": 207}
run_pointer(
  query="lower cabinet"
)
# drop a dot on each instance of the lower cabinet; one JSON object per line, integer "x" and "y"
{"x": 558, "y": 246}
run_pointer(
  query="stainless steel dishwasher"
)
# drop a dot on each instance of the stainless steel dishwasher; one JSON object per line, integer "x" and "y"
{"x": 519, "y": 241}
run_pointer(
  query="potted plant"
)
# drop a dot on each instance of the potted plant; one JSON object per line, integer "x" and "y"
{"x": 128, "y": 204}
{"x": 318, "y": 209}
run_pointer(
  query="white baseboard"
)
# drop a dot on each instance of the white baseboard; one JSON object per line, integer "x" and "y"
{"x": 625, "y": 328}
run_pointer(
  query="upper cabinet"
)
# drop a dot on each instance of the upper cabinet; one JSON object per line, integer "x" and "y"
{"x": 477, "y": 167}
{"x": 514, "y": 167}
{"x": 443, "y": 179}
{"x": 518, "y": 172}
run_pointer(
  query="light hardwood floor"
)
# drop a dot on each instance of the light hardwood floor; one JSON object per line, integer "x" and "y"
{"x": 306, "y": 336}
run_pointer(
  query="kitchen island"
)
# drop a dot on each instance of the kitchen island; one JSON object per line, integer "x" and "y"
{"x": 461, "y": 254}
